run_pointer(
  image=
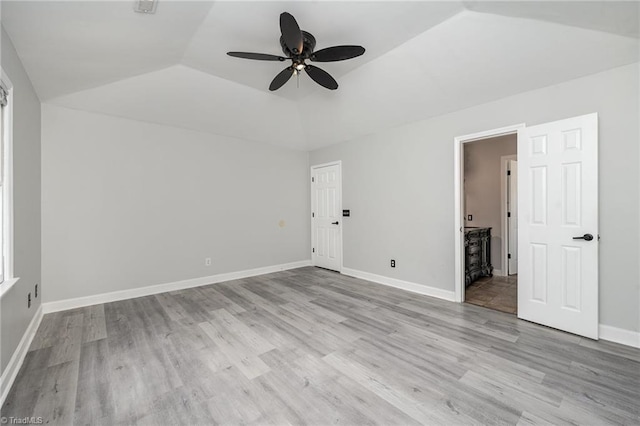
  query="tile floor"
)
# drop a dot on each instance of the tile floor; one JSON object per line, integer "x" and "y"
{"x": 499, "y": 293}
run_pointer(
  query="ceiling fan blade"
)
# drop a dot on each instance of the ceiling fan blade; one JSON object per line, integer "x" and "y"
{"x": 257, "y": 56}
{"x": 281, "y": 78}
{"x": 321, "y": 77}
{"x": 336, "y": 53}
{"x": 291, "y": 32}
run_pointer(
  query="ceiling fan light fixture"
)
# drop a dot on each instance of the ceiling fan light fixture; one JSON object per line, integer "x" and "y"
{"x": 145, "y": 6}
{"x": 299, "y": 46}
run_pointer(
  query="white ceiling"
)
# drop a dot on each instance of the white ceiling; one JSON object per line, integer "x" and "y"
{"x": 467, "y": 60}
{"x": 69, "y": 46}
{"x": 423, "y": 59}
{"x": 610, "y": 16}
{"x": 253, "y": 27}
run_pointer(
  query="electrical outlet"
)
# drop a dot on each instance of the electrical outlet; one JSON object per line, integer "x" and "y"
{"x": 469, "y": 217}
{"x": 393, "y": 263}
{"x": 207, "y": 261}
{"x": 29, "y": 300}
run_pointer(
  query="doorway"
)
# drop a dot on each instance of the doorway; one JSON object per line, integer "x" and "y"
{"x": 490, "y": 222}
{"x": 459, "y": 219}
{"x": 557, "y": 227}
{"x": 326, "y": 216}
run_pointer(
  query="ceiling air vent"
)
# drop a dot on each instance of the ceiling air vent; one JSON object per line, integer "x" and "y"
{"x": 145, "y": 6}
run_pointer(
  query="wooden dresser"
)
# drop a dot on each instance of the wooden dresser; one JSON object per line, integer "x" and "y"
{"x": 477, "y": 254}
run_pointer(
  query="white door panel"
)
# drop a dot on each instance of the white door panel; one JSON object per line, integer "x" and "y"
{"x": 558, "y": 188}
{"x": 326, "y": 207}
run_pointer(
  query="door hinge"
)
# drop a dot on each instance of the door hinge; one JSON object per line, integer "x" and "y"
{"x": 509, "y": 256}
{"x": 313, "y": 250}
{"x": 508, "y": 173}
{"x": 313, "y": 179}
{"x": 313, "y": 215}
{"x": 508, "y": 214}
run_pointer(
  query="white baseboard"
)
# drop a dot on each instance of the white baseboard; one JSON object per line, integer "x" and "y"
{"x": 498, "y": 272}
{"x": 619, "y": 335}
{"x": 80, "y": 302}
{"x": 404, "y": 285}
{"x": 11, "y": 371}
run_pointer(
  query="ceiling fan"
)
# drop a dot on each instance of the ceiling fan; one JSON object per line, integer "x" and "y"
{"x": 298, "y": 46}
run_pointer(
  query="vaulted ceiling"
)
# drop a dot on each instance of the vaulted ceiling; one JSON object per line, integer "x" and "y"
{"x": 423, "y": 59}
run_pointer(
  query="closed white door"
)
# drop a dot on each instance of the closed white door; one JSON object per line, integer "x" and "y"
{"x": 326, "y": 212}
{"x": 513, "y": 218}
{"x": 558, "y": 225}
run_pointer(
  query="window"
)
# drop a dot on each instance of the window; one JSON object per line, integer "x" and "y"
{"x": 6, "y": 209}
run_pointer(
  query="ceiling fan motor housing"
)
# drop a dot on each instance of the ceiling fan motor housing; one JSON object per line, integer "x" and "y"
{"x": 308, "y": 44}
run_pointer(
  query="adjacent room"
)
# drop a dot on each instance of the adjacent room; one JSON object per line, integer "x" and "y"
{"x": 491, "y": 227}
{"x": 318, "y": 212}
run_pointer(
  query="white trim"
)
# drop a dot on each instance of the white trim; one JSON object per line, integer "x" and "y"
{"x": 619, "y": 335}
{"x": 7, "y": 184}
{"x": 11, "y": 371}
{"x": 311, "y": 169}
{"x": 63, "y": 305}
{"x": 7, "y": 285}
{"x": 499, "y": 273}
{"x": 403, "y": 285}
{"x": 504, "y": 166}
{"x": 330, "y": 163}
{"x": 458, "y": 178}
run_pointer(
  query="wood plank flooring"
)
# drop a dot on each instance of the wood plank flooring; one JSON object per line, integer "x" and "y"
{"x": 310, "y": 346}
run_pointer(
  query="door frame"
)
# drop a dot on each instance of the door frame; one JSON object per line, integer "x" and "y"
{"x": 504, "y": 209}
{"x": 458, "y": 191}
{"x": 311, "y": 169}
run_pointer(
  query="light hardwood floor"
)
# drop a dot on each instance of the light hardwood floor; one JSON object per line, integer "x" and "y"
{"x": 309, "y": 346}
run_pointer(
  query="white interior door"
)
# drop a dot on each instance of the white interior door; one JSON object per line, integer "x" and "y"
{"x": 326, "y": 211}
{"x": 512, "y": 200}
{"x": 558, "y": 188}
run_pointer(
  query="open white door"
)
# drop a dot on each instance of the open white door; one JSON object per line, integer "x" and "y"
{"x": 558, "y": 225}
{"x": 512, "y": 204}
{"x": 326, "y": 220}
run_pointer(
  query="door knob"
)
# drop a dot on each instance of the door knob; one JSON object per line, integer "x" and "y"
{"x": 335, "y": 223}
{"x": 586, "y": 237}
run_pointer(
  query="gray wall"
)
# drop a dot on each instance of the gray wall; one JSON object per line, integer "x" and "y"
{"x": 14, "y": 314}
{"x": 482, "y": 188}
{"x": 399, "y": 186}
{"x": 128, "y": 204}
